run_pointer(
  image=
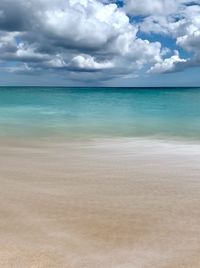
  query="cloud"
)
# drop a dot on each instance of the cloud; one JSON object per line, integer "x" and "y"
{"x": 71, "y": 35}
{"x": 88, "y": 63}
{"x": 172, "y": 64}
{"x": 176, "y": 19}
{"x": 93, "y": 36}
{"x": 149, "y": 7}
{"x": 14, "y": 15}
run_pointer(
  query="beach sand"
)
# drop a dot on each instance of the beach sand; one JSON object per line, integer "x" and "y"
{"x": 102, "y": 203}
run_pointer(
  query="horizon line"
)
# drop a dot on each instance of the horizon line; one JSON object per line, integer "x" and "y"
{"x": 36, "y": 86}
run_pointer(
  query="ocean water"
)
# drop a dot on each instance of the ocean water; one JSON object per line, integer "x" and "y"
{"x": 166, "y": 113}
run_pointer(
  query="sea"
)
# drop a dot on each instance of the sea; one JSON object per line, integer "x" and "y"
{"x": 84, "y": 113}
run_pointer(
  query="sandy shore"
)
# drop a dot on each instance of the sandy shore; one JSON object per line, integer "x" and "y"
{"x": 100, "y": 204}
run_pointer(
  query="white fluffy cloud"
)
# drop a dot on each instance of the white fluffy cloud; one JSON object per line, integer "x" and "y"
{"x": 177, "y": 19}
{"x": 156, "y": 7}
{"x": 87, "y": 62}
{"x": 148, "y": 7}
{"x": 168, "y": 65}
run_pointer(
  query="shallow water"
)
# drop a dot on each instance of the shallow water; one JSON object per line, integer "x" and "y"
{"x": 100, "y": 112}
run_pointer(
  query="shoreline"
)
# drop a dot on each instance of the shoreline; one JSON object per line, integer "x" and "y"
{"x": 191, "y": 146}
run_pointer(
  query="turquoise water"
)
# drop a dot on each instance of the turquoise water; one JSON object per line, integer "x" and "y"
{"x": 101, "y": 112}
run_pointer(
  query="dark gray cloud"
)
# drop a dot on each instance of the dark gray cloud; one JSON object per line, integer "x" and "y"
{"x": 15, "y": 15}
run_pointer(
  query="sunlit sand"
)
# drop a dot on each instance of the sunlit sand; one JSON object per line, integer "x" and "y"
{"x": 104, "y": 203}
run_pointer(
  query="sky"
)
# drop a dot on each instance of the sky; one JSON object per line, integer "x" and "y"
{"x": 100, "y": 42}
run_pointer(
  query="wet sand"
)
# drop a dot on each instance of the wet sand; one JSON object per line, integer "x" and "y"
{"x": 103, "y": 203}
